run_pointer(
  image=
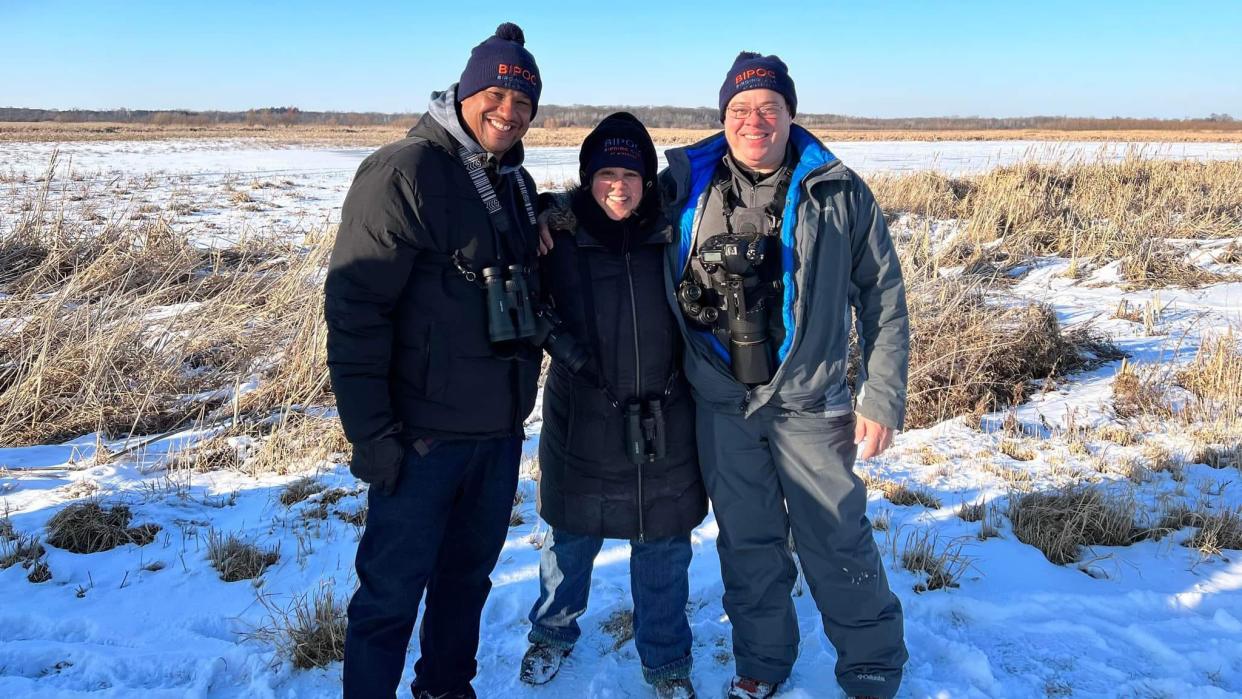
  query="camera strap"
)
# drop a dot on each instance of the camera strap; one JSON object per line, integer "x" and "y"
{"x": 501, "y": 228}
{"x": 774, "y": 211}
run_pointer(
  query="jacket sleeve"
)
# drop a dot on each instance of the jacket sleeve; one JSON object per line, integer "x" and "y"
{"x": 376, "y": 244}
{"x": 878, "y": 296}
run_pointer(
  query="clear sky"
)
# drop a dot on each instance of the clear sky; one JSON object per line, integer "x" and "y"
{"x": 862, "y": 57}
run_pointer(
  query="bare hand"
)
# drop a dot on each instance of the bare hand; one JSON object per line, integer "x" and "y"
{"x": 545, "y": 235}
{"x": 877, "y": 437}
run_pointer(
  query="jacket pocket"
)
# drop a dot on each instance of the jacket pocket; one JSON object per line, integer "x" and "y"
{"x": 593, "y": 435}
{"x": 424, "y": 361}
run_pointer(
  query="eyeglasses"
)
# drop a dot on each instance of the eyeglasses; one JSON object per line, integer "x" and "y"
{"x": 767, "y": 112}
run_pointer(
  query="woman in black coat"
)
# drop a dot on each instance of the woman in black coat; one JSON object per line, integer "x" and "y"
{"x": 617, "y": 453}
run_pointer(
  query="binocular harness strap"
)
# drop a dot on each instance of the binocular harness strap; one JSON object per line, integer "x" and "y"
{"x": 473, "y": 162}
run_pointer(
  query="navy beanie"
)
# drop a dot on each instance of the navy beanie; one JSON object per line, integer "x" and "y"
{"x": 752, "y": 71}
{"x": 502, "y": 61}
{"x": 620, "y": 140}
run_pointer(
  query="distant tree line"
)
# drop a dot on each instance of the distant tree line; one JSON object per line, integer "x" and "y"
{"x": 558, "y": 116}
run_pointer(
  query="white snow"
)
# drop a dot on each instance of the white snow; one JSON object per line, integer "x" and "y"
{"x": 1153, "y": 619}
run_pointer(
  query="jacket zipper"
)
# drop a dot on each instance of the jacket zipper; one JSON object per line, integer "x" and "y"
{"x": 638, "y": 376}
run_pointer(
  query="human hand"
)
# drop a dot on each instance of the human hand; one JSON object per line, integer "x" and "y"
{"x": 378, "y": 463}
{"x": 545, "y": 235}
{"x": 878, "y": 437}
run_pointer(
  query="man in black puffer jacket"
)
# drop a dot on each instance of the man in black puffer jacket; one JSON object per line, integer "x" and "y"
{"x": 433, "y": 407}
{"x": 617, "y": 453}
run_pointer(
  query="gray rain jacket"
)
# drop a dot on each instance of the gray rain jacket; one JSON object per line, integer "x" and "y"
{"x": 837, "y": 256}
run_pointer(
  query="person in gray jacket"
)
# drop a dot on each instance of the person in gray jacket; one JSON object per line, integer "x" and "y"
{"x": 782, "y": 248}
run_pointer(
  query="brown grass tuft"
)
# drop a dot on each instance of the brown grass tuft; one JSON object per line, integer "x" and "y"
{"x": 90, "y": 527}
{"x": 969, "y": 356}
{"x": 1061, "y": 523}
{"x": 902, "y": 494}
{"x": 972, "y": 511}
{"x": 236, "y": 559}
{"x": 299, "y": 490}
{"x": 943, "y": 565}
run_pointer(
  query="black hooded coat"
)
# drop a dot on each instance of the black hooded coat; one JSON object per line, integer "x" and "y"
{"x": 606, "y": 281}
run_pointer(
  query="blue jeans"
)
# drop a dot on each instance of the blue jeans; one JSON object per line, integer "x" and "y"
{"x": 659, "y": 583}
{"x": 440, "y": 532}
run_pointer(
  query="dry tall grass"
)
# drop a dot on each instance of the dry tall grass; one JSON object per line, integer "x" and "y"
{"x": 135, "y": 329}
{"x": 1091, "y": 212}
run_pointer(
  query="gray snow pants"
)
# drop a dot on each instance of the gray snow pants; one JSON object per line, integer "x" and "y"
{"x": 765, "y": 475}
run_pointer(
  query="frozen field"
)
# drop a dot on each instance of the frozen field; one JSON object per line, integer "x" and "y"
{"x": 1152, "y": 619}
{"x": 303, "y": 187}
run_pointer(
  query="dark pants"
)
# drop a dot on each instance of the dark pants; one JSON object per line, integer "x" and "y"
{"x": 441, "y": 531}
{"x": 775, "y": 472}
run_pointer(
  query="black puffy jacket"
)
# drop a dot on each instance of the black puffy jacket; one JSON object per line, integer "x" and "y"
{"x": 588, "y": 484}
{"x": 408, "y": 347}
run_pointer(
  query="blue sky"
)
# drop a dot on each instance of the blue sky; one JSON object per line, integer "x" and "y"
{"x": 868, "y": 58}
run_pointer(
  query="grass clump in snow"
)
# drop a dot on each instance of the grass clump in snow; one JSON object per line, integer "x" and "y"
{"x": 1138, "y": 392}
{"x": 20, "y": 549}
{"x": 311, "y": 631}
{"x": 1214, "y": 377}
{"x": 1060, "y": 523}
{"x": 1017, "y": 450}
{"x": 89, "y": 527}
{"x": 969, "y": 356}
{"x": 299, "y": 490}
{"x": 236, "y": 559}
{"x": 900, "y": 493}
{"x": 943, "y": 566}
{"x": 1220, "y": 456}
{"x": 1215, "y": 531}
{"x": 972, "y": 511}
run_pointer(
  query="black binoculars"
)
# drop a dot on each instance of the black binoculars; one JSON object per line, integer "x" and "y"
{"x": 511, "y": 316}
{"x": 509, "y": 312}
{"x": 644, "y": 430}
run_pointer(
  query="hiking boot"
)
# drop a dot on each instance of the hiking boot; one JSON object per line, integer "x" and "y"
{"x": 541, "y": 662}
{"x": 677, "y": 688}
{"x": 750, "y": 688}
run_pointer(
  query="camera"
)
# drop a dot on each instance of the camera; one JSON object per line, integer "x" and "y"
{"x": 731, "y": 301}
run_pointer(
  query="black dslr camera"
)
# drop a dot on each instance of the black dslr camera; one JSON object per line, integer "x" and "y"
{"x": 511, "y": 316}
{"x": 732, "y": 302}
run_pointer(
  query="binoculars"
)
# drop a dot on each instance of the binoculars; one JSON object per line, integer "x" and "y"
{"x": 644, "y": 430}
{"x": 512, "y": 316}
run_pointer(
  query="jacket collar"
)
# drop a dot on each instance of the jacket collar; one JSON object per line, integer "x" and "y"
{"x": 810, "y": 158}
{"x": 443, "y": 111}
{"x": 593, "y": 228}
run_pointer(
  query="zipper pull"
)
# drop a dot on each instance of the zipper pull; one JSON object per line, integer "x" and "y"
{"x": 745, "y": 402}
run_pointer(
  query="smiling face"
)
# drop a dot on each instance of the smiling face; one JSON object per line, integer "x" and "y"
{"x": 618, "y": 191}
{"x": 756, "y": 127}
{"x": 497, "y": 117}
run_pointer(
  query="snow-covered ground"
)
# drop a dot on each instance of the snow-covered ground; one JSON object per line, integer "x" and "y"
{"x": 1154, "y": 619}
